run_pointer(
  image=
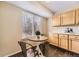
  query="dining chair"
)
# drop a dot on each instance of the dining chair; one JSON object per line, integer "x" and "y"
{"x": 24, "y": 49}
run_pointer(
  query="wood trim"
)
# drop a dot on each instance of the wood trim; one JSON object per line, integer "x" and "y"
{"x": 75, "y": 18}
{"x": 66, "y": 25}
{"x": 58, "y": 39}
{"x": 60, "y": 42}
{"x": 71, "y": 44}
{"x": 68, "y": 41}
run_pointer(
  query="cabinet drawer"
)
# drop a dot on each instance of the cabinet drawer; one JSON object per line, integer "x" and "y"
{"x": 63, "y": 36}
{"x": 55, "y": 35}
{"x": 73, "y": 37}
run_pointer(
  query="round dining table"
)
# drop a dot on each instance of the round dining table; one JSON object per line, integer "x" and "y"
{"x": 36, "y": 42}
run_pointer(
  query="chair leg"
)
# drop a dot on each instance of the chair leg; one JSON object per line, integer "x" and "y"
{"x": 24, "y": 53}
{"x": 36, "y": 53}
{"x": 42, "y": 48}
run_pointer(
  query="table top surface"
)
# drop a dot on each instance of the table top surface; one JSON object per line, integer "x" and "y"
{"x": 34, "y": 38}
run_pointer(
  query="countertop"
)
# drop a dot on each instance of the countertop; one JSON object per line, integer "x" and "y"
{"x": 67, "y": 33}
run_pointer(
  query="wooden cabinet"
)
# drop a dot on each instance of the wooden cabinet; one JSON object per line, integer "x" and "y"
{"x": 77, "y": 16}
{"x": 63, "y": 41}
{"x": 74, "y": 43}
{"x": 68, "y": 18}
{"x": 56, "y": 21}
{"x": 54, "y": 39}
{"x": 66, "y": 41}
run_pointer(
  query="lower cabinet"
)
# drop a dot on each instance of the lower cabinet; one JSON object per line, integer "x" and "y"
{"x": 54, "y": 39}
{"x": 74, "y": 44}
{"x": 63, "y": 41}
{"x": 68, "y": 42}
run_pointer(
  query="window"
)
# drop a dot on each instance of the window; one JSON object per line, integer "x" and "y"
{"x": 31, "y": 23}
{"x": 27, "y": 23}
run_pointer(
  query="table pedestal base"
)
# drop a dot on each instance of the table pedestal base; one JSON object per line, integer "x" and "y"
{"x": 40, "y": 54}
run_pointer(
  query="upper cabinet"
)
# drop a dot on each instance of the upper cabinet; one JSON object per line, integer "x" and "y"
{"x": 68, "y": 18}
{"x": 56, "y": 21}
{"x": 77, "y": 16}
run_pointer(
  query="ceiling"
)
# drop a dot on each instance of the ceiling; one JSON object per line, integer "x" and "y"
{"x": 33, "y": 7}
{"x": 46, "y": 8}
{"x": 59, "y": 6}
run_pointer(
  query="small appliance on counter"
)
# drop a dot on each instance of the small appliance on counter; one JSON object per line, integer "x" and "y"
{"x": 69, "y": 30}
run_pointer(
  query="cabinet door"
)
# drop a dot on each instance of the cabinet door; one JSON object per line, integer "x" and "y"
{"x": 54, "y": 39}
{"x": 63, "y": 41}
{"x": 56, "y": 20}
{"x": 68, "y": 18}
{"x": 74, "y": 43}
{"x": 77, "y": 16}
{"x": 75, "y": 46}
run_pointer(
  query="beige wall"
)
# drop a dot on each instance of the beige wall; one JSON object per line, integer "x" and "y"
{"x": 10, "y": 29}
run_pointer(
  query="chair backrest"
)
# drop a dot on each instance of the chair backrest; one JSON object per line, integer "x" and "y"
{"x": 24, "y": 48}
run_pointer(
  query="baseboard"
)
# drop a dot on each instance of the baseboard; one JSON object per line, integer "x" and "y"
{"x": 13, "y": 53}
